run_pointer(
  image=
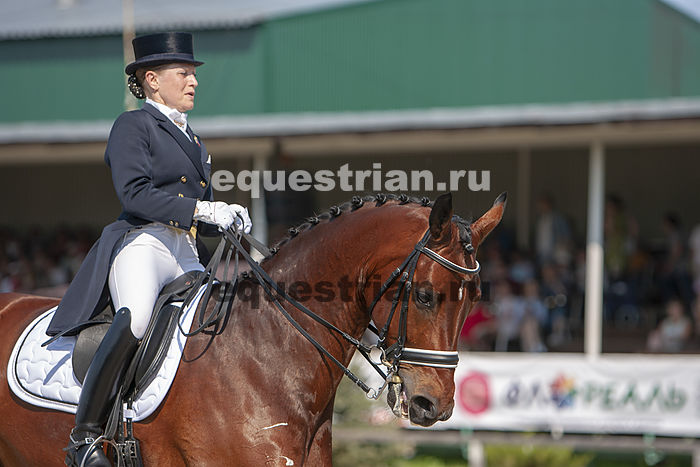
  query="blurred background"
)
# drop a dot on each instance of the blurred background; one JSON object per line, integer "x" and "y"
{"x": 584, "y": 351}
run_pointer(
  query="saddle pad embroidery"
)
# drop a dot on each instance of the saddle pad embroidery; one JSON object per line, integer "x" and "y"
{"x": 43, "y": 376}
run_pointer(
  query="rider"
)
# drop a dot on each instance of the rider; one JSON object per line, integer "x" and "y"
{"x": 161, "y": 174}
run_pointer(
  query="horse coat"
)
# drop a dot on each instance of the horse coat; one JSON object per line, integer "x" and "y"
{"x": 158, "y": 175}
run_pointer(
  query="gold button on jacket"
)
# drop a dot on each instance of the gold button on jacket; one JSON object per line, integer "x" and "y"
{"x": 183, "y": 179}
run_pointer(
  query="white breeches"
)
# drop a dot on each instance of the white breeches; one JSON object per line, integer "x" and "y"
{"x": 149, "y": 257}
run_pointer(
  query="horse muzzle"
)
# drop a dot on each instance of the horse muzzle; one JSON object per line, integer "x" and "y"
{"x": 419, "y": 409}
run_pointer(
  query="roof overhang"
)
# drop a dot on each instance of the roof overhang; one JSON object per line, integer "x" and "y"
{"x": 267, "y": 125}
{"x": 629, "y": 122}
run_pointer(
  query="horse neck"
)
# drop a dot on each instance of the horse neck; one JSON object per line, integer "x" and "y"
{"x": 348, "y": 251}
{"x": 351, "y": 249}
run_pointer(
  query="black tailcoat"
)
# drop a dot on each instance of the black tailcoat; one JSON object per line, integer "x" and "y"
{"x": 158, "y": 175}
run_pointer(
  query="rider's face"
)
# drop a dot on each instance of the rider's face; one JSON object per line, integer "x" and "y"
{"x": 173, "y": 85}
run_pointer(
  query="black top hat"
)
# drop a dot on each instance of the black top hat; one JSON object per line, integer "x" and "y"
{"x": 161, "y": 48}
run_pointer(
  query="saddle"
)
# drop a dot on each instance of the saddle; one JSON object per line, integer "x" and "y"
{"x": 154, "y": 345}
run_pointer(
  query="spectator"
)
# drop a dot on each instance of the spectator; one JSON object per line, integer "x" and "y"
{"x": 694, "y": 246}
{"x": 534, "y": 319}
{"x": 479, "y": 329}
{"x": 620, "y": 237}
{"x": 6, "y": 284}
{"x": 578, "y": 290}
{"x": 555, "y": 298}
{"x": 521, "y": 268}
{"x": 553, "y": 241}
{"x": 675, "y": 280}
{"x": 695, "y": 315}
{"x": 495, "y": 268}
{"x": 674, "y": 331}
{"x": 509, "y": 311}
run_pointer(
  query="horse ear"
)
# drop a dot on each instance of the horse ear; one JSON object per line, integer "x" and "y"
{"x": 486, "y": 223}
{"x": 441, "y": 217}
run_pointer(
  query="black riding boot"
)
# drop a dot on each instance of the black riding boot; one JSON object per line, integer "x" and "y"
{"x": 102, "y": 381}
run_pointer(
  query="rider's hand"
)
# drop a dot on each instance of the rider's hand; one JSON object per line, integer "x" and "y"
{"x": 214, "y": 212}
{"x": 241, "y": 217}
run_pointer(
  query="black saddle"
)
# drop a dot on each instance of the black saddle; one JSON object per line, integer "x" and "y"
{"x": 154, "y": 345}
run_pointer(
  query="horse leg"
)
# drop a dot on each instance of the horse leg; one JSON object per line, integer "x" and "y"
{"x": 321, "y": 448}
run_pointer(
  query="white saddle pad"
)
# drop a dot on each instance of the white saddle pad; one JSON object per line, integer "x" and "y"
{"x": 43, "y": 376}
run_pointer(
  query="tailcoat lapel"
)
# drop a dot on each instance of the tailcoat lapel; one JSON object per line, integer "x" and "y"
{"x": 192, "y": 150}
{"x": 203, "y": 155}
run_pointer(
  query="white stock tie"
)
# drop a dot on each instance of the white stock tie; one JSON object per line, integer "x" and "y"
{"x": 179, "y": 119}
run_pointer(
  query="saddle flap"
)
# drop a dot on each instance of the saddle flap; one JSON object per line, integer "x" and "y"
{"x": 153, "y": 347}
{"x": 153, "y": 350}
{"x": 89, "y": 338}
{"x": 85, "y": 347}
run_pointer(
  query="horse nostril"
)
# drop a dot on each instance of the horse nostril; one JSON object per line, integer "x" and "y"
{"x": 426, "y": 406}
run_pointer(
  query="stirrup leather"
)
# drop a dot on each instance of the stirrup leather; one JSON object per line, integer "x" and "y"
{"x": 76, "y": 444}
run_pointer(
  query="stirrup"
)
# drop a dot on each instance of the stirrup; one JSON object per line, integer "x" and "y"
{"x": 88, "y": 445}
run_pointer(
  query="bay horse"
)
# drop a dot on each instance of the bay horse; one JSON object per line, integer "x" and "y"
{"x": 259, "y": 394}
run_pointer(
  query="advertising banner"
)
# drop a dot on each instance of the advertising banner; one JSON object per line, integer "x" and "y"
{"x": 568, "y": 393}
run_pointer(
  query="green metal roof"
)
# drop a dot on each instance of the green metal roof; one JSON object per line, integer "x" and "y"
{"x": 385, "y": 56}
{"x": 35, "y": 19}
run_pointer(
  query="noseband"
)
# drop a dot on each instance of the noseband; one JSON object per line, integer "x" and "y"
{"x": 397, "y": 354}
{"x": 393, "y": 356}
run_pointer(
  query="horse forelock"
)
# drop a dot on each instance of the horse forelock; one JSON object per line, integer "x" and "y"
{"x": 465, "y": 233}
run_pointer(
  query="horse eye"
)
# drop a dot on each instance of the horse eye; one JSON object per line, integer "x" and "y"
{"x": 424, "y": 297}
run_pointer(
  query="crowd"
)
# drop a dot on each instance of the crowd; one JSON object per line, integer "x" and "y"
{"x": 533, "y": 300}
{"x": 41, "y": 261}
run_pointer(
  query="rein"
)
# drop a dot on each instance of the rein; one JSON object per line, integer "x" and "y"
{"x": 392, "y": 357}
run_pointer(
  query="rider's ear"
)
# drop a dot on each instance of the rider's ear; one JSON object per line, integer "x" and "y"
{"x": 441, "y": 218}
{"x": 486, "y": 223}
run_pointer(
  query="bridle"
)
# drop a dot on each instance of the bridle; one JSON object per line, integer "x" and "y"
{"x": 391, "y": 357}
{"x": 397, "y": 354}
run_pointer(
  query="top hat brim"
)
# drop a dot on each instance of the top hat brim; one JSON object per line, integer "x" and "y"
{"x": 160, "y": 59}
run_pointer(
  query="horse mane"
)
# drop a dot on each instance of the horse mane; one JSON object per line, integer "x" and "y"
{"x": 380, "y": 199}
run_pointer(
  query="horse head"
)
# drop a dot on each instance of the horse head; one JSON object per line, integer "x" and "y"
{"x": 442, "y": 288}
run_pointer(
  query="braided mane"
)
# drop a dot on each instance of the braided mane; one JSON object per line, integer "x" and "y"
{"x": 379, "y": 200}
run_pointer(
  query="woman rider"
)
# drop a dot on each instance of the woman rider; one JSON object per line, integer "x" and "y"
{"x": 161, "y": 174}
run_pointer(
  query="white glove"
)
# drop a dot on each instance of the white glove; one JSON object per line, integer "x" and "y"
{"x": 214, "y": 212}
{"x": 241, "y": 217}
